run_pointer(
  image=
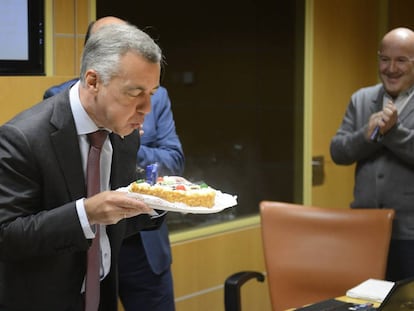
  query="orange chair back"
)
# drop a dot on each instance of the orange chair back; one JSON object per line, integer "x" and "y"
{"x": 314, "y": 253}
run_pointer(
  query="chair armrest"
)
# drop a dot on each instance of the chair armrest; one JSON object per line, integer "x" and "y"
{"x": 232, "y": 285}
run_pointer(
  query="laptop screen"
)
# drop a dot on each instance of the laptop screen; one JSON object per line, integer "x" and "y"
{"x": 400, "y": 298}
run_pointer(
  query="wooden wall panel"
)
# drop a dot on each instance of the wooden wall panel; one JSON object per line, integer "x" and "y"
{"x": 82, "y": 16}
{"x": 201, "y": 266}
{"x": 78, "y": 53}
{"x": 13, "y": 99}
{"x": 344, "y": 59}
{"x": 63, "y": 16}
{"x": 65, "y": 56}
{"x": 70, "y": 20}
{"x": 82, "y": 22}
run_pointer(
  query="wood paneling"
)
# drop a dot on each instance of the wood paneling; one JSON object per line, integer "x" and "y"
{"x": 344, "y": 60}
{"x": 201, "y": 266}
{"x": 70, "y": 20}
{"x": 67, "y": 15}
{"x": 82, "y": 16}
{"x": 65, "y": 49}
{"x": 64, "y": 16}
{"x": 19, "y": 93}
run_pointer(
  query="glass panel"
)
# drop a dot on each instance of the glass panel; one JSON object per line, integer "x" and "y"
{"x": 232, "y": 75}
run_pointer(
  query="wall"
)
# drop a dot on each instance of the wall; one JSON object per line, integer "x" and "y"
{"x": 66, "y": 23}
{"x": 201, "y": 265}
{"x": 19, "y": 93}
{"x": 342, "y": 63}
{"x": 400, "y": 13}
{"x": 68, "y": 26}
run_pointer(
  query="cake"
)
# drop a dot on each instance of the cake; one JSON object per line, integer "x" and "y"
{"x": 177, "y": 189}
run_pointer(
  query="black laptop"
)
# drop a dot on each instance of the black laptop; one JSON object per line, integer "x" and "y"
{"x": 400, "y": 298}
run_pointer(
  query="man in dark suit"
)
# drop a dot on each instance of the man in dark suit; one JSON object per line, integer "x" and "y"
{"x": 46, "y": 222}
{"x": 145, "y": 278}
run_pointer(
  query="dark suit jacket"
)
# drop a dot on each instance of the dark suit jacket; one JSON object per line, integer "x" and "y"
{"x": 159, "y": 128}
{"x": 42, "y": 245}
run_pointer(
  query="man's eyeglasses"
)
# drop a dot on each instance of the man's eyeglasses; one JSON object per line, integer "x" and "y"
{"x": 400, "y": 61}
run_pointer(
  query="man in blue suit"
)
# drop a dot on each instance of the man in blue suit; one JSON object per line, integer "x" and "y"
{"x": 145, "y": 279}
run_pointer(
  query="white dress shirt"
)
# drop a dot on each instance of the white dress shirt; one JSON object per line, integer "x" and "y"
{"x": 85, "y": 125}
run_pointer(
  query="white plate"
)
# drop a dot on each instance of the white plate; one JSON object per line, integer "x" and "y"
{"x": 223, "y": 201}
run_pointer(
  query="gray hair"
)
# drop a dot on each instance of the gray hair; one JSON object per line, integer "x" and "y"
{"x": 105, "y": 47}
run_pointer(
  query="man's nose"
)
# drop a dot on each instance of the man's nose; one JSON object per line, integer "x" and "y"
{"x": 144, "y": 106}
{"x": 393, "y": 65}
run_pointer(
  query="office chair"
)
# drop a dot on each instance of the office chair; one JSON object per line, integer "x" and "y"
{"x": 313, "y": 253}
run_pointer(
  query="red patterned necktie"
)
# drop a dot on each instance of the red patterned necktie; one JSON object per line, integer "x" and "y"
{"x": 93, "y": 184}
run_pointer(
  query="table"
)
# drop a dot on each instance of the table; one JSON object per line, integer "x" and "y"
{"x": 355, "y": 300}
{"x": 352, "y": 300}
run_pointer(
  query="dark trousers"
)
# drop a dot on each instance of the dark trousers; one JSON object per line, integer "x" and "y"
{"x": 139, "y": 287}
{"x": 400, "y": 260}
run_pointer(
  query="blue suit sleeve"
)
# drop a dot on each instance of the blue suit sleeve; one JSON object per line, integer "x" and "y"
{"x": 58, "y": 88}
{"x": 160, "y": 142}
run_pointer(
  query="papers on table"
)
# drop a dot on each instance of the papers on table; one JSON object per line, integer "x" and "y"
{"x": 371, "y": 289}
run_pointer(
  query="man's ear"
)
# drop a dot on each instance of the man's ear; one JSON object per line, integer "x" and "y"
{"x": 91, "y": 79}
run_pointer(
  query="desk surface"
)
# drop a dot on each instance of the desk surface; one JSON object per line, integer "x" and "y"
{"x": 355, "y": 300}
{"x": 352, "y": 300}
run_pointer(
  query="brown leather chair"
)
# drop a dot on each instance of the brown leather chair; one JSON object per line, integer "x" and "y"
{"x": 313, "y": 253}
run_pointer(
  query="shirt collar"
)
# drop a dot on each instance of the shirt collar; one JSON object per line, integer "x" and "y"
{"x": 84, "y": 124}
{"x": 403, "y": 94}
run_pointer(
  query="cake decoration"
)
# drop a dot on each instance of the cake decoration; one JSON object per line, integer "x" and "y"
{"x": 176, "y": 189}
{"x": 151, "y": 173}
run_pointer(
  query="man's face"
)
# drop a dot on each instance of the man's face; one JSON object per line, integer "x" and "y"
{"x": 122, "y": 104}
{"x": 396, "y": 68}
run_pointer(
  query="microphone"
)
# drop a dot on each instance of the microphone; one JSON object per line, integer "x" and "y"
{"x": 375, "y": 134}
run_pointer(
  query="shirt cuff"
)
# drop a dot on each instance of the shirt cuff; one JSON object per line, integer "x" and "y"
{"x": 157, "y": 213}
{"x": 83, "y": 218}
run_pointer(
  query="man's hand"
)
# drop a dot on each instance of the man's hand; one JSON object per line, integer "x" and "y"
{"x": 109, "y": 207}
{"x": 389, "y": 117}
{"x": 383, "y": 120}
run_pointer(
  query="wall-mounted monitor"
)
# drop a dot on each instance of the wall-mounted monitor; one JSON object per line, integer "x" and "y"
{"x": 22, "y": 37}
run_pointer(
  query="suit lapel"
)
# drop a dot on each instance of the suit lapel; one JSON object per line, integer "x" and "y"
{"x": 377, "y": 102}
{"x": 408, "y": 109}
{"x": 66, "y": 147}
